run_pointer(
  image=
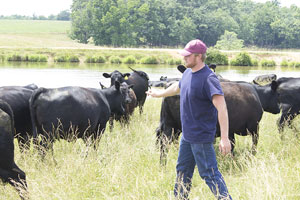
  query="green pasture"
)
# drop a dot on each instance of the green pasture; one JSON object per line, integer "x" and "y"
{"x": 34, "y": 26}
{"x": 36, "y": 34}
{"x": 126, "y": 166}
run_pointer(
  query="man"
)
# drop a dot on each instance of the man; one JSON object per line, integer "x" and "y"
{"x": 202, "y": 103}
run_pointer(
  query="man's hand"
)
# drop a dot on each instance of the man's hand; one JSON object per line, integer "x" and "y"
{"x": 225, "y": 146}
{"x": 170, "y": 91}
{"x": 153, "y": 93}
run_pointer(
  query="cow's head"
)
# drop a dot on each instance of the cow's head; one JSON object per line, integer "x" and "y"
{"x": 116, "y": 76}
{"x": 268, "y": 96}
{"x": 121, "y": 97}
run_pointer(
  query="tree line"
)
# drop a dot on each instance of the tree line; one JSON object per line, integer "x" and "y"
{"x": 175, "y": 22}
{"x": 61, "y": 16}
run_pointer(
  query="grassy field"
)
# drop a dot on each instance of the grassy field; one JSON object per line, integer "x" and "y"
{"x": 51, "y": 38}
{"x": 126, "y": 166}
{"x": 36, "y": 34}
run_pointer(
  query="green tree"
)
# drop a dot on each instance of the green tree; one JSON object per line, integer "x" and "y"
{"x": 63, "y": 15}
{"x": 229, "y": 41}
{"x": 265, "y": 15}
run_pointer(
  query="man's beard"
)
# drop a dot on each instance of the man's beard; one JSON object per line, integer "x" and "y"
{"x": 190, "y": 65}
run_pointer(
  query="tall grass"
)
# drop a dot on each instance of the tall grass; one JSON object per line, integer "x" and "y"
{"x": 126, "y": 166}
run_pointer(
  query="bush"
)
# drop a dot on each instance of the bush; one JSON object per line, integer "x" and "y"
{"x": 115, "y": 59}
{"x": 242, "y": 59}
{"x": 149, "y": 60}
{"x": 297, "y": 64}
{"x": 174, "y": 61}
{"x": 268, "y": 63}
{"x": 2, "y": 58}
{"x": 100, "y": 59}
{"x": 33, "y": 58}
{"x": 229, "y": 41}
{"x": 284, "y": 63}
{"x": 292, "y": 64}
{"x": 43, "y": 58}
{"x": 73, "y": 58}
{"x": 90, "y": 59}
{"x": 129, "y": 60}
{"x": 254, "y": 62}
{"x": 215, "y": 56}
{"x": 61, "y": 58}
{"x": 15, "y": 57}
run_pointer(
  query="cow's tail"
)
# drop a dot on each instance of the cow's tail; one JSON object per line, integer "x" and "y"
{"x": 32, "y": 108}
{"x": 141, "y": 73}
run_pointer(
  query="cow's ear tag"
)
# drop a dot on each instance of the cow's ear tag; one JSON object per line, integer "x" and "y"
{"x": 126, "y": 78}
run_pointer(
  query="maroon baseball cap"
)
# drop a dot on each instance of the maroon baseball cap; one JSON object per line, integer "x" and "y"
{"x": 194, "y": 46}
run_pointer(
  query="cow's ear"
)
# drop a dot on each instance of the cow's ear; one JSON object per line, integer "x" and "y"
{"x": 126, "y": 74}
{"x": 101, "y": 85}
{"x": 163, "y": 78}
{"x": 254, "y": 82}
{"x": 213, "y": 67}
{"x": 181, "y": 68}
{"x": 117, "y": 85}
{"x": 106, "y": 75}
{"x": 130, "y": 86}
{"x": 274, "y": 85}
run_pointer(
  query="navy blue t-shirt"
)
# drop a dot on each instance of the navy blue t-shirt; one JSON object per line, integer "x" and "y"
{"x": 197, "y": 112}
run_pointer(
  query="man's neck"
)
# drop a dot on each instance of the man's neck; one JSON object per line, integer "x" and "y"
{"x": 198, "y": 67}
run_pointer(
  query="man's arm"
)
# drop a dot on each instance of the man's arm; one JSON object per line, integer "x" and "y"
{"x": 220, "y": 104}
{"x": 170, "y": 91}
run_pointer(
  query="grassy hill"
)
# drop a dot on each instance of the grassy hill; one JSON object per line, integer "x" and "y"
{"x": 36, "y": 34}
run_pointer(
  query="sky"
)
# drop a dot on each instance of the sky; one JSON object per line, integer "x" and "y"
{"x": 30, "y": 7}
{"x": 283, "y": 3}
{"x": 48, "y": 7}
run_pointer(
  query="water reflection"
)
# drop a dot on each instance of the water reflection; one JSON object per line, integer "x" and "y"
{"x": 242, "y": 73}
{"x": 89, "y": 75}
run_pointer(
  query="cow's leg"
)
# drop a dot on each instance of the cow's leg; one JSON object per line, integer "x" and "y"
{"x": 124, "y": 121}
{"x": 176, "y": 135}
{"x": 17, "y": 178}
{"x": 165, "y": 140}
{"x": 286, "y": 118}
{"x": 141, "y": 104}
{"x": 141, "y": 108}
{"x": 232, "y": 142}
{"x": 111, "y": 124}
{"x": 46, "y": 143}
{"x": 96, "y": 135}
{"x": 255, "y": 137}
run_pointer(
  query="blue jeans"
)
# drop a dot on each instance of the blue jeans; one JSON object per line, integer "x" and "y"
{"x": 202, "y": 154}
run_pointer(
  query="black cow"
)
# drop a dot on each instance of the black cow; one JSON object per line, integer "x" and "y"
{"x": 18, "y": 99}
{"x": 245, "y": 105}
{"x": 157, "y": 83}
{"x": 138, "y": 79}
{"x": 163, "y": 80}
{"x": 288, "y": 90}
{"x": 9, "y": 171}
{"x": 75, "y": 112}
{"x": 129, "y": 109}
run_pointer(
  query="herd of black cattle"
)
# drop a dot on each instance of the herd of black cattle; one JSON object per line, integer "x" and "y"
{"x": 45, "y": 114}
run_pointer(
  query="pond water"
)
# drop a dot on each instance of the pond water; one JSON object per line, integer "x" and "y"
{"x": 88, "y": 75}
